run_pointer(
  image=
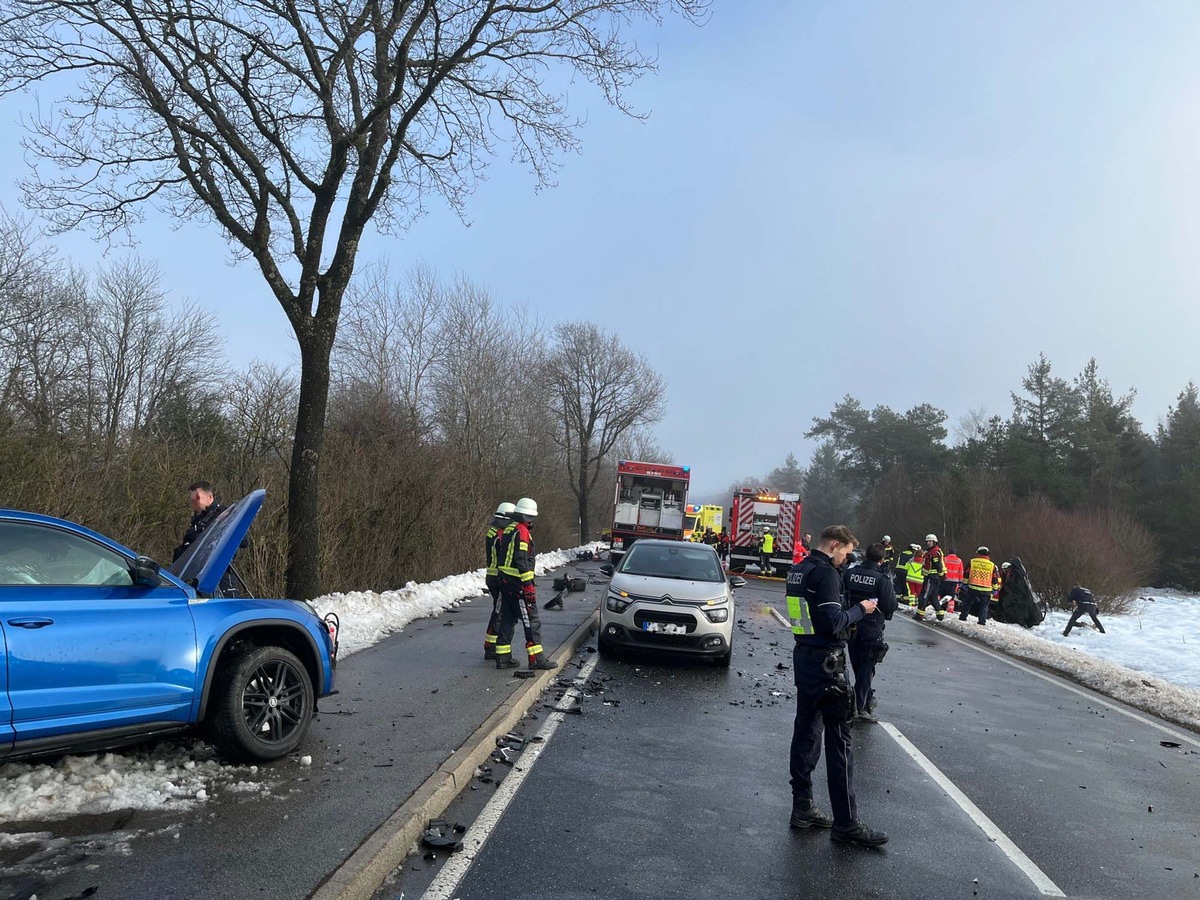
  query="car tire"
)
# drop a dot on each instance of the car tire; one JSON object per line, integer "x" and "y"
{"x": 725, "y": 658}
{"x": 264, "y": 703}
{"x": 605, "y": 649}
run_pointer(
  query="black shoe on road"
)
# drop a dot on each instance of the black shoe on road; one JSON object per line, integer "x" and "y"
{"x": 507, "y": 662}
{"x": 543, "y": 665}
{"x": 809, "y": 817}
{"x": 859, "y": 834}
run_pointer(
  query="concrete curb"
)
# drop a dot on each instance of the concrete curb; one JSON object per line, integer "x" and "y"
{"x": 361, "y": 875}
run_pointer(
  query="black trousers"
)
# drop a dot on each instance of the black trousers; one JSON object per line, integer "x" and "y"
{"x": 493, "y": 586}
{"x": 862, "y": 661}
{"x": 1080, "y": 611}
{"x": 513, "y": 606}
{"x": 811, "y": 723}
{"x": 931, "y": 593}
{"x": 976, "y": 605}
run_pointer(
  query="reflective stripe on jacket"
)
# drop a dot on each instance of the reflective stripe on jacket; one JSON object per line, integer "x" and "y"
{"x": 489, "y": 544}
{"x": 982, "y": 574}
{"x": 954, "y": 568}
{"x": 515, "y": 553}
{"x": 915, "y": 571}
{"x": 934, "y": 564}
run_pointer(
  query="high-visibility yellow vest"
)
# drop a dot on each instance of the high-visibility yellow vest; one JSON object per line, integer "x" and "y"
{"x": 768, "y": 545}
{"x": 797, "y": 605}
{"x": 982, "y": 572}
{"x": 914, "y": 571}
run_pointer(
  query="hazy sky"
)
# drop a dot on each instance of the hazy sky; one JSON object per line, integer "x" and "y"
{"x": 906, "y": 202}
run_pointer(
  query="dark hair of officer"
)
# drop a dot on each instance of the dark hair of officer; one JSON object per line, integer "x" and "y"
{"x": 875, "y": 553}
{"x": 839, "y": 533}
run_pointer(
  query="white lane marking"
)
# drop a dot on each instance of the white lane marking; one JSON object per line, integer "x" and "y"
{"x": 1039, "y": 878}
{"x": 1062, "y": 682}
{"x": 452, "y": 873}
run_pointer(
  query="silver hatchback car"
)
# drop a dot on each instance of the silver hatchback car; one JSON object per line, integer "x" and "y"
{"x": 669, "y": 595}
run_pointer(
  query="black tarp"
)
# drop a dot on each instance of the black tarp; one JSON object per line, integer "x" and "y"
{"x": 1017, "y": 604}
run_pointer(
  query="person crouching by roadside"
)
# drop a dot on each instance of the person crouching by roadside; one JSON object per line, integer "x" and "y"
{"x": 1085, "y": 605}
{"x": 866, "y": 648}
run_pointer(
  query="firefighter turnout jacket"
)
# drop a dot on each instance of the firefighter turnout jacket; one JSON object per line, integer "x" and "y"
{"x": 889, "y": 557}
{"x": 515, "y": 556}
{"x": 815, "y": 606}
{"x": 934, "y": 562}
{"x": 902, "y": 560}
{"x": 495, "y": 527}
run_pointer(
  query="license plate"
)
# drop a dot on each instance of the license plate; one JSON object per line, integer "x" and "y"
{"x": 664, "y": 628}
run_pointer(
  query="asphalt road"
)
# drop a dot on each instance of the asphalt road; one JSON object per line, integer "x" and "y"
{"x": 673, "y": 783}
{"x": 404, "y": 706}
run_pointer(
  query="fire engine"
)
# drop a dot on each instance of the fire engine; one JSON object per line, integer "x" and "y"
{"x": 649, "y": 502}
{"x": 755, "y": 509}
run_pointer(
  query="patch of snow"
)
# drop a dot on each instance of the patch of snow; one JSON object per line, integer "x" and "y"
{"x": 368, "y": 617}
{"x": 178, "y": 776}
{"x": 1171, "y": 652}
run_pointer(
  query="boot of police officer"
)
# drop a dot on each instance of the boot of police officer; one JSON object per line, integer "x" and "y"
{"x": 500, "y": 521}
{"x": 824, "y": 702}
{"x": 870, "y": 581}
{"x": 518, "y": 590}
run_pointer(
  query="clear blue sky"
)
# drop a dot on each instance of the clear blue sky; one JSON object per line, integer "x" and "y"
{"x": 904, "y": 202}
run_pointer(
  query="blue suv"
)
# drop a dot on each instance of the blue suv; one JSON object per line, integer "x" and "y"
{"x": 99, "y": 647}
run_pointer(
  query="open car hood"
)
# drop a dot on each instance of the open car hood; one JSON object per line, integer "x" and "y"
{"x": 204, "y": 563}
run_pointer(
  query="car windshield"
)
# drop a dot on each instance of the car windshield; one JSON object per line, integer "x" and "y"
{"x": 684, "y": 562}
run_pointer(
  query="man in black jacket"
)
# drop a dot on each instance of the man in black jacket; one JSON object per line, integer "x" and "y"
{"x": 824, "y": 702}
{"x": 869, "y": 581}
{"x": 1085, "y": 605}
{"x": 205, "y": 510}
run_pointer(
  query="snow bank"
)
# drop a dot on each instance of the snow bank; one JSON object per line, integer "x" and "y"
{"x": 368, "y": 617}
{"x": 178, "y": 775}
{"x": 1140, "y": 689}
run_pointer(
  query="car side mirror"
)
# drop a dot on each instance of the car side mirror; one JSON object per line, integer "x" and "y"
{"x": 145, "y": 572}
{"x": 737, "y": 581}
{"x": 607, "y": 568}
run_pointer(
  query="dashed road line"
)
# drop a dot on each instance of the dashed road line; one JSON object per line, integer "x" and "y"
{"x": 445, "y": 885}
{"x": 1039, "y": 878}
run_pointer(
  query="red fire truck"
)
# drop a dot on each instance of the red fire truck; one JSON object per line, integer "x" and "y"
{"x": 755, "y": 510}
{"x": 649, "y": 502}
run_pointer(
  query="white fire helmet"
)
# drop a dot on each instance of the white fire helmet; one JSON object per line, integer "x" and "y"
{"x": 526, "y": 507}
{"x": 887, "y": 538}
{"x": 931, "y": 537}
{"x": 983, "y": 550}
{"x": 505, "y": 508}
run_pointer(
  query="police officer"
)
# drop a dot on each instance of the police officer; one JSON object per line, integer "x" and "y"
{"x": 1085, "y": 604}
{"x": 491, "y": 577}
{"x": 820, "y": 623}
{"x": 866, "y": 647}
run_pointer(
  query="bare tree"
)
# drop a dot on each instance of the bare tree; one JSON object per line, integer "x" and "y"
{"x": 294, "y": 124}
{"x": 600, "y": 391}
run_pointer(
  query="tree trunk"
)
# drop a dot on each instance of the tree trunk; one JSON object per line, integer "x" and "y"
{"x": 583, "y": 492}
{"x": 303, "y": 578}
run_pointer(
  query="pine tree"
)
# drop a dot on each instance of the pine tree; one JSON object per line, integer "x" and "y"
{"x": 1177, "y": 510}
{"x": 788, "y": 478}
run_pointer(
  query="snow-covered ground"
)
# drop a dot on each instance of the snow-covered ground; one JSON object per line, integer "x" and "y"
{"x": 179, "y": 774}
{"x": 1148, "y": 658}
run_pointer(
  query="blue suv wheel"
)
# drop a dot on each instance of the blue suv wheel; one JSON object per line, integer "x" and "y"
{"x": 264, "y": 703}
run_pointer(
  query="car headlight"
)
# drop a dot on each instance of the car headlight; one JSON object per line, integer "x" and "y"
{"x": 618, "y": 601}
{"x": 720, "y": 614}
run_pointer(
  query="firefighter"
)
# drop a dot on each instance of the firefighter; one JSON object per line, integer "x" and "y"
{"x": 1085, "y": 604}
{"x": 500, "y": 521}
{"x": 914, "y": 576}
{"x": 999, "y": 590}
{"x": 933, "y": 568}
{"x": 518, "y": 592}
{"x": 953, "y": 580}
{"x": 866, "y": 646}
{"x": 889, "y": 554}
{"x": 820, "y": 625}
{"x": 900, "y": 576}
{"x": 981, "y": 579}
{"x": 765, "y": 551}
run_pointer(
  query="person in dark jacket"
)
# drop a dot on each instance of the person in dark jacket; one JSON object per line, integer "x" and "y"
{"x": 900, "y": 571}
{"x": 820, "y": 625}
{"x": 1085, "y": 605}
{"x": 491, "y": 579}
{"x": 889, "y": 554}
{"x": 205, "y": 510}
{"x": 870, "y": 581}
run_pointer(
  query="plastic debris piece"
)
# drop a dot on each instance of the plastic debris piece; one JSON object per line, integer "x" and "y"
{"x": 1168, "y": 743}
{"x": 442, "y": 834}
{"x": 524, "y": 673}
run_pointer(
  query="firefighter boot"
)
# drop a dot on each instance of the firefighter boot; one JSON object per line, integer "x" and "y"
{"x": 506, "y": 661}
{"x": 538, "y": 662}
{"x": 489, "y": 646}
